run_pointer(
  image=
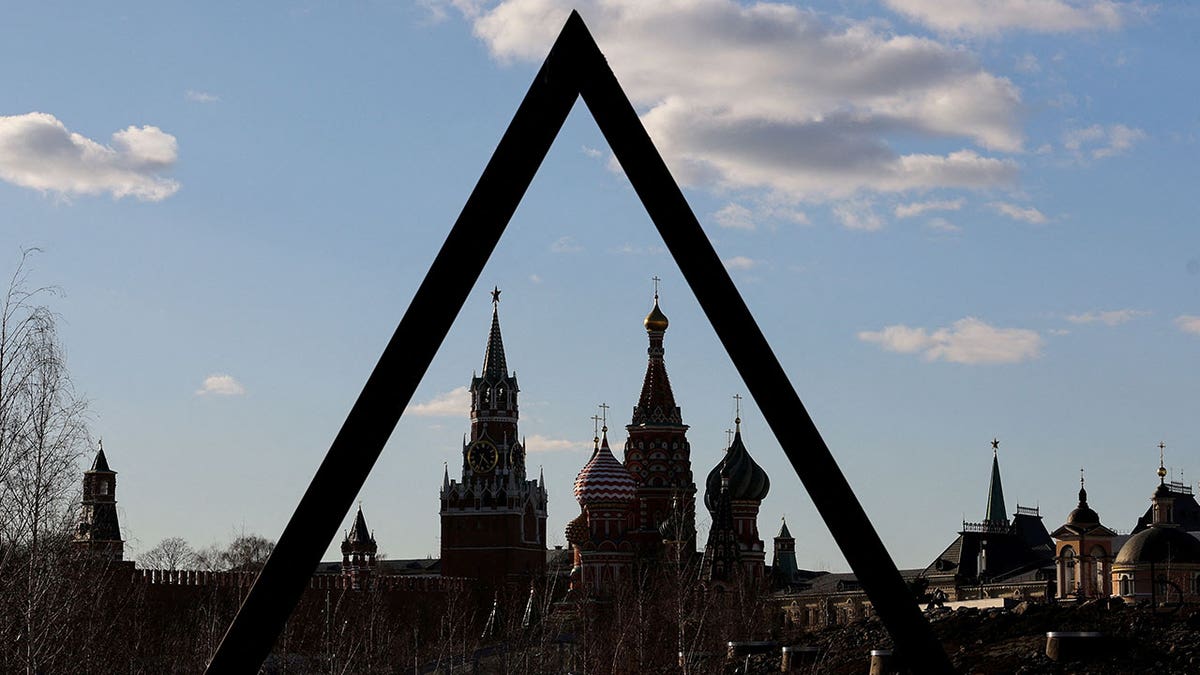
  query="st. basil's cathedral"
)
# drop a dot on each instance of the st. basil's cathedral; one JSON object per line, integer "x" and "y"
{"x": 634, "y": 512}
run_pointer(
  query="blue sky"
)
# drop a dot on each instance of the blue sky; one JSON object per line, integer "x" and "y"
{"x": 950, "y": 225}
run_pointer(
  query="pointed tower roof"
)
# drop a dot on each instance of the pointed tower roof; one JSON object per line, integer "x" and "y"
{"x": 100, "y": 464}
{"x": 494, "y": 365}
{"x": 784, "y": 533}
{"x": 656, "y": 405}
{"x": 996, "y": 513}
{"x": 359, "y": 534}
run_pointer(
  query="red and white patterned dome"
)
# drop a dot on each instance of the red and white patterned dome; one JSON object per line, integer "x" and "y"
{"x": 604, "y": 479}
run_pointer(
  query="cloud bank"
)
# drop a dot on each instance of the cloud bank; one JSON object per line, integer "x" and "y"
{"x": 983, "y": 17}
{"x": 968, "y": 340}
{"x": 774, "y": 97}
{"x": 37, "y": 151}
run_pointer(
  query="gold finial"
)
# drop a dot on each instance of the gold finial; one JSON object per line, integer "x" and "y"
{"x": 1081, "y": 478}
{"x": 596, "y": 430}
{"x": 1162, "y": 469}
{"x": 656, "y": 320}
{"x": 737, "y": 419}
{"x": 495, "y": 295}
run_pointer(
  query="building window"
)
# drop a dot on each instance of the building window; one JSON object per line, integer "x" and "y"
{"x": 103, "y": 488}
{"x": 1125, "y": 585}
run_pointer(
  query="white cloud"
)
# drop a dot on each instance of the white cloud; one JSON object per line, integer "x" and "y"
{"x": 201, "y": 96}
{"x": 535, "y": 278}
{"x": 540, "y": 443}
{"x": 735, "y": 216}
{"x": 1026, "y": 214}
{"x": 942, "y": 225}
{"x": 1188, "y": 323}
{"x": 775, "y": 97}
{"x": 983, "y": 17}
{"x": 917, "y": 208}
{"x": 454, "y": 403}
{"x": 591, "y": 152}
{"x": 740, "y": 262}
{"x": 38, "y": 151}
{"x": 1109, "y": 318}
{"x": 565, "y": 245}
{"x": 858, "y": 215}
{"x": 221, "y": 385}
{"x": 1100, "y": 142}
{"x": 967, "y": 340}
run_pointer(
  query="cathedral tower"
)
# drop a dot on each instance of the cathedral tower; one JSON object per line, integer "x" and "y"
{"x": 493, "y": 518}
{"x": 657, "y": 452}
{"x": 99, "y": 531}
{"x": 733, "y": 494}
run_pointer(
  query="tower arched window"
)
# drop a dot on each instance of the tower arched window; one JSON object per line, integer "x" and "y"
{"x": 103, "y": 488}
{"x": 1125, "y": 585}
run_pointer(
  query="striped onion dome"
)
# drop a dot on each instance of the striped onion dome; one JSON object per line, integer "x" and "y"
{"x": 604, "y": 479}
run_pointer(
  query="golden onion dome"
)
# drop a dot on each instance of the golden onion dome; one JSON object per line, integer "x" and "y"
{"x": 656, "y": 320}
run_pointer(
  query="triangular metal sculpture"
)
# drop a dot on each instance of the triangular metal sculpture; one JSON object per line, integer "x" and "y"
{"x": 574, "y": 67}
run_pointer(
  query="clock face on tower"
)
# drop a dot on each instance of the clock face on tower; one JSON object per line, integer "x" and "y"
{"x": 482, "y": 456}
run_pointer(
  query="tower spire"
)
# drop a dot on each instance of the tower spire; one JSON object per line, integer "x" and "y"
{"x": 996, "y": 513}
{"x": 656, "y": 405}
{"x": 494, "y": 366}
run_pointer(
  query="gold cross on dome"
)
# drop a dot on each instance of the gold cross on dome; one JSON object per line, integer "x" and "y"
{"x": 655, "y": 279}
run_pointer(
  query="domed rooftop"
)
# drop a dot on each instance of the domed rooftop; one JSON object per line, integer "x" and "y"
{"x": 1160, "y": 544}
{"x": 1083, "y": 515}
{"x": 656, "y": 320}
{"x": 747, "y": 480}
{"x": 604, "y": 479}
{"x": 577, "y": 530}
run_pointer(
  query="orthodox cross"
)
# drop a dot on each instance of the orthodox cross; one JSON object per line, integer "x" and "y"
{"x": 728, "y": 438}
{"x": 737, "y": 402}
{"x": 1081, "y": 478}
{"x": 655, "y": 279}
{"x": 596, "y": 429}
{"x": 495, "y": 295}
{"x": 604, "y": 415}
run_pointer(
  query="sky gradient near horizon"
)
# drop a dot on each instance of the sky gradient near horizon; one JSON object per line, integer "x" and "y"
{"x": 951, "y": 224}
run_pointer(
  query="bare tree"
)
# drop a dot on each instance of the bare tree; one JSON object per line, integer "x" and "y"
{"x": 172, "y": 553}
{"x": 43, "y": 433}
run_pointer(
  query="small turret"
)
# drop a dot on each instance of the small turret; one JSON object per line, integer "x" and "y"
{"x": 99, "y": 529}
{"x": 358, "y": 553}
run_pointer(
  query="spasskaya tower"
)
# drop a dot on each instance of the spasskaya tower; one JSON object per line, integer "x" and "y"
{"x": 493, "y": 518}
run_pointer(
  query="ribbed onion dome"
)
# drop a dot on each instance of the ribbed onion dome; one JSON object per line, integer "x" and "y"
{"x": 577, "y": 530}
{"x": 747, "y": 480}
{"x": 604, "y": 479}
{"x": 656, "y": 320}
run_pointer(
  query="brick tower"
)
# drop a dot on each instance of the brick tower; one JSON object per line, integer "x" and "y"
{"x": 99, "y": 530}
{"x": 658, "y": 455}
{"x": 493, "y": 518}
{"x": 358, "y": 553}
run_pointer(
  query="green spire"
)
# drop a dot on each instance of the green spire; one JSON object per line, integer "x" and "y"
{"x": 996, "y": 513}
